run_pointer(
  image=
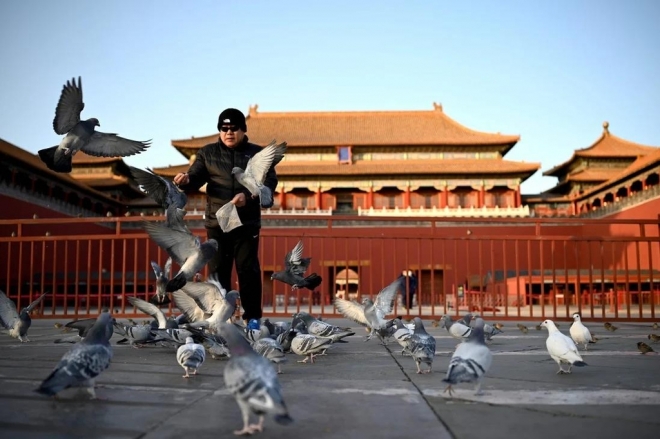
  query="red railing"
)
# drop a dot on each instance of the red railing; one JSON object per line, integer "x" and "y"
{"x": 503, "y": 268}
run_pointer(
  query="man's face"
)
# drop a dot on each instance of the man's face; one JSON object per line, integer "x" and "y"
{"x": 231, "y": 135}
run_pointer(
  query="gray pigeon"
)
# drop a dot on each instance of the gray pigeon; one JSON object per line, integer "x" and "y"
{"x": 17, "y": 324}
{"x": 149, "y": 309}
{"x": 322, "y": 329}
{"x": 471, "y": 360}
{"x": 422, "y": 346}
{"x": 253, "y": 381}
{"x": 255, "y": 172}
{"x": 162, "y": 278}
{"x": 80, "y": 134}
{"x": 309, "y": 346}
{"x": 162, "y": 190}
{"x": 83, "y": 326}
{"x": 186, "y": 249}
{"x": 295, "y": 267}
{"x": 272, "y": 350}
{"x": 205, "y": 304}
{"x": 372, "y": 314}
{"x": 190, "y": 356}
{"x": 83, "y": 362}
{"x": 402, "y": 334}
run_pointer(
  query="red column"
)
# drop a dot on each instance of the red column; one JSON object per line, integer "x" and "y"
{"x": 317, "y": 198}
{"x": 518, "y": 202}
{"x": 406, "y": 198}
{"x": 282, "y": 197}
{"x": 445, "y": 197}
{"x": 370, "y": 197}
{"x": 482, "y": 196}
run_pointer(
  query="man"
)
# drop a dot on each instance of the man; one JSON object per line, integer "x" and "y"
{"x": 409, "y": 280}
{"x": 213, "y": 166}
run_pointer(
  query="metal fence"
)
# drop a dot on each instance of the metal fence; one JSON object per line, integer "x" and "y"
{"x": 502, "y": 268}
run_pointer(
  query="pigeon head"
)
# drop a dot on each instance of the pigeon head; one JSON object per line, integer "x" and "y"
{"x": 576, "y": 317}
{"x": 236, "y": 170}
{"x": 94, "y": 122}
{"x": 550, "y": 325}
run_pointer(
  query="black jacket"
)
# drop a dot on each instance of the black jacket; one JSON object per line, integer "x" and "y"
{"x": 213, "y": 165}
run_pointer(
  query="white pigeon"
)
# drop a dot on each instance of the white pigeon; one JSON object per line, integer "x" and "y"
{"x": 190, "y": 356}
{"x": 252, "y": 178}
{"x": 561, "y": 348}
{"x": 470, "y": 361}
{"x": 580, "y": 333}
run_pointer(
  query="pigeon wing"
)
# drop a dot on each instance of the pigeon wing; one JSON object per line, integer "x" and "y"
{"x": 154, "y": 185}
{"x": 351, "y": 310}
{"x": 149, "y": 309}
{"x": 8, "y": 313}
{"x": 188, "y": 306}
{"x": 111, "y": 145}
{"x": 384, "y": 302}
{"x": 261, "y": 162}
{"x": 34, "y": 303}
{"x": 69, "y": 107}
{"x": 205, "y": 294}
{"x": 178, "y": 244}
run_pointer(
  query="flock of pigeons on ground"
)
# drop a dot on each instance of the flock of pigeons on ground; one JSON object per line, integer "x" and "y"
{"x": 255, "y": 350}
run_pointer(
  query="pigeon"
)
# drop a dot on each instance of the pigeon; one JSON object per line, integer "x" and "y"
{"x": 17, "y": 323}
{"x": 83, "y": 362}
{"x": 190, "y": 356}
{"x": 456, "y": 329}
{"x": 644, "y": 348}
{"x": 80, "y": 134}
{"x": 610, "y": 327}
{"x": 322, "y": 329}
{"x": 186, "y": 249}
{"x": 295, "y": 267}
{"x": 561, "y": 348}
{"x": 654, "y": 338}
{"x": 580, "y": 333}
{"x": 372, "y": 313}
{"x": 149, "y": 309}
{"x": 83, "y": 326}
{"x": 490, "y": 331}
{"x": 252, "y": 178}
{"x": 253, "y": 381}
{"x": 285, "y": 339}
{"x": 402, "y": 335}
{"x": 272, "y": 350}
{"x": 309, "y": 346}
{"x": 205, "y": 305}
{"x": 136, "y": 335}
{"x": 471, "y": 360}
{"x": 161, "y": 190}
{"x": 162, "y": 278}
{"x": 422, "y": 346}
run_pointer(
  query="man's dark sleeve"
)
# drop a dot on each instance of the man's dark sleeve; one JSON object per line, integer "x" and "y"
{"x": 197, "y": 174}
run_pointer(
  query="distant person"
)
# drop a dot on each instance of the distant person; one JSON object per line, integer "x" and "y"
{"x": 409, "y": 280}
{"x": 213, "y": 166}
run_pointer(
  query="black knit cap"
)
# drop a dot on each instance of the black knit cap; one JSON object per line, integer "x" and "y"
{"x": 232, "y": 116}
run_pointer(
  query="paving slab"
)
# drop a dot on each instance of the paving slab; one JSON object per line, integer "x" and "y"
{"x": 360, "y": 389}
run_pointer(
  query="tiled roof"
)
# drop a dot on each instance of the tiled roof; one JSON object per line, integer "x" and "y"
{"x": 360, "y": 128}
{"x": 592, "y": 175}
{"x": 607, "y": 145}
{"x": 34, "y": 162}
{"x": 379, "y": 167}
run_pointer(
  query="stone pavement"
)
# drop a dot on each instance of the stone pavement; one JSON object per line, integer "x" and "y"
{"x": 360, "y": 390}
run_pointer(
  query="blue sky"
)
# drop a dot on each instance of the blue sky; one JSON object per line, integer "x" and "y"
{"x": 551, "y": 72}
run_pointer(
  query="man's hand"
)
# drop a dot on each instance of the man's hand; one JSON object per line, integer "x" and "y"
{"x": 239, "y": 200}
{"x": 181, "y": 178}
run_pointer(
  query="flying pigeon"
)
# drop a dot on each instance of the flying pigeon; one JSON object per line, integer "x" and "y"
{"x": 162, "y": 278}
{"x": 83, "y": 362}
{"x": 80, "y": 134}
{"x": 253, "y": 381}
{"x": 161, "y": 190}
{"x": 252, "y": 178}
{"x": 17, "y": 323}
{"x": 190, "y": 356}
{"x": 580, "y": 333}
{"x": 295, "y": 267}
{"x": 185, "y": 248}
{"x": 561, "y": 348}
{"x": 82, "y": 326}
{"x": 372, "y": 313}
{"x": 205, "y": 304}
{"x": 470, "y": 361}
{"x": 422, "y": 346}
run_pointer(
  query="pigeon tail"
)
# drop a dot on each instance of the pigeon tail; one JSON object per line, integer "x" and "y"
{"x": 55, "y": 383}
{"x": 283, "y": 419}
{"x": 579, "y": 363}
{"x": 266, "y": 197}
{"x": 56, "y": 162}
{"x": 313, "y": 281}
{"x": 176, "y": 283}
{"x": 159, "y": 300}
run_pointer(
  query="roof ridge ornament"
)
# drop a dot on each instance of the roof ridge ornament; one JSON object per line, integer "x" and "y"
{"x": 437, "y": 106}
{"x": 606, "y": 126}
{"x": 253, "y": 110}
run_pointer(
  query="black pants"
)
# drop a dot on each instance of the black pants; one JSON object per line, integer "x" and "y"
{"x": 241, "y": 246}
